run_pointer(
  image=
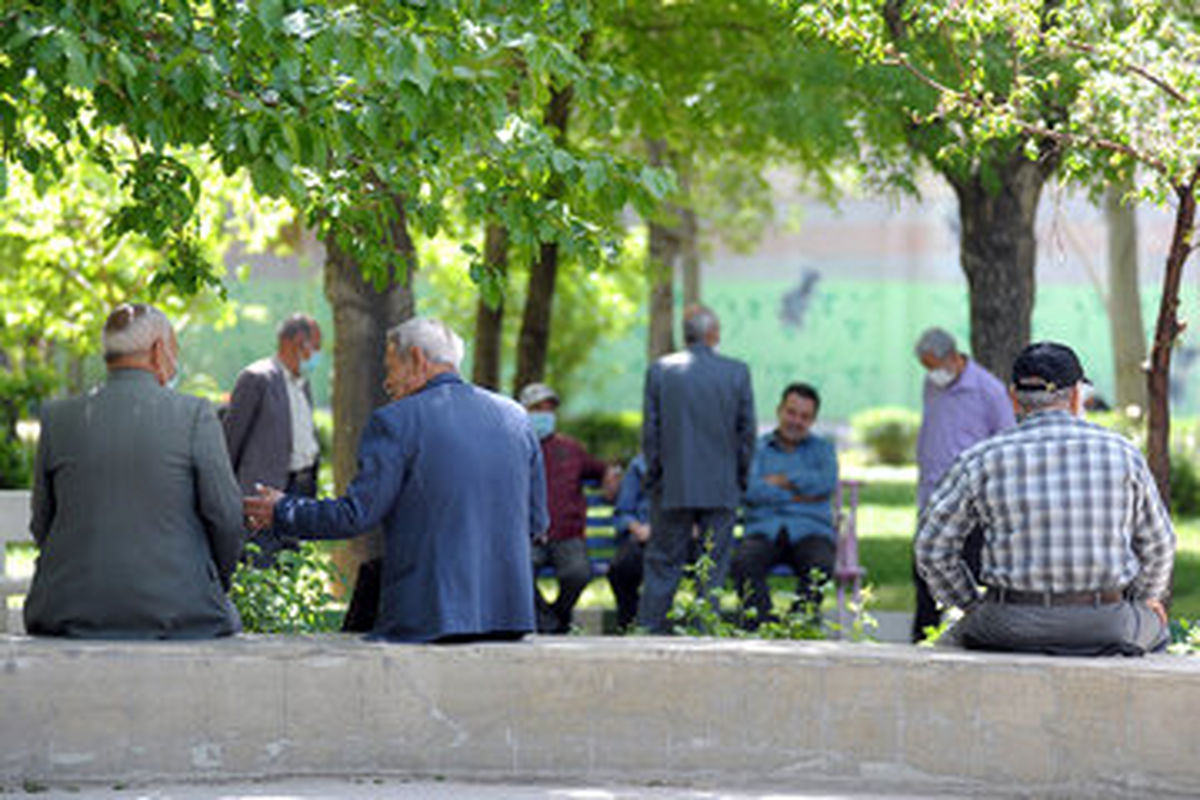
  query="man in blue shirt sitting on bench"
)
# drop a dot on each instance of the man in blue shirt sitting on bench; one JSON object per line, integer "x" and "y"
{"x": 787, "y": 507}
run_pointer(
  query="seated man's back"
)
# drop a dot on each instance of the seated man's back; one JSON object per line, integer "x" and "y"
{"x": 136, "y": 513}
{"x": 1078, "y": 547}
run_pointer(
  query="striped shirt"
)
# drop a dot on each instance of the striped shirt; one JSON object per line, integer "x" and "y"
{"x": 1064, "y": 506}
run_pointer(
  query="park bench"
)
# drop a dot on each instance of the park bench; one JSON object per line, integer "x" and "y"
{"x": 848, "y": 574}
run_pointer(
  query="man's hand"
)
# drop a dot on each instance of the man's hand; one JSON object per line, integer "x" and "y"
{"x": 1158, "y": 608}
{"x": 260, "y": 508}
{"x": 778, "y": 479}
{"x": 640, "y": 532}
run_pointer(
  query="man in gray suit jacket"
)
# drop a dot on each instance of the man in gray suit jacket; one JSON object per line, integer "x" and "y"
{"x": 269, "y": 427}
{"x": 136, "y": 513}
{"x": 698, "y": 438}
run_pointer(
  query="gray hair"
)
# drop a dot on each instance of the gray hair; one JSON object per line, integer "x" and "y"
{"x": 296, "y": 325}
{"x": 133, "y": 328}
{"x": 1031, "y": 400}
{"x": 936, "y": 342}
{"x": 698, "y": 323}
{"x": 433, "y": 337}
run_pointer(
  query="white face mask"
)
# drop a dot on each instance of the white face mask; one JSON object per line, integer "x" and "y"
{"x": 941, "y": 377}
{"x": 542, "y": 422}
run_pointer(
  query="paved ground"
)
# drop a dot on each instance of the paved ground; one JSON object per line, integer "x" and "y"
{"x": 364, "y": 788}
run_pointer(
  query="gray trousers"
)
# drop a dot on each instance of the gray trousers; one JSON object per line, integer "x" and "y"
{"x": 668, "y": 550}
{"x": 1126, "y": 628}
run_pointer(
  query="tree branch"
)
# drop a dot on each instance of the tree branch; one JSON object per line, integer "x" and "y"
{"x": 1141, "y": 72}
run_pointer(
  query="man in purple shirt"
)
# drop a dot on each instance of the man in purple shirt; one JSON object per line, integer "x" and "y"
{"x": 963, "y": 404}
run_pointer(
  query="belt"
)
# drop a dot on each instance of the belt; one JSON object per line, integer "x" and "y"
{"x": 1016, "y": 597}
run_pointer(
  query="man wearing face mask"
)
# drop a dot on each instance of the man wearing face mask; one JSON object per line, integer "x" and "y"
{"x": 564, "y": 546}
{"x": 963, "y": 404}
{"x": 269, "y": 426}
{"x": 136, "y": 513}
{"x": 454, "y": 475}
{"x": 1078, "y": 545}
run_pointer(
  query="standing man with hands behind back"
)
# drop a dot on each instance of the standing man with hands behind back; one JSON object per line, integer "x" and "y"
{"x": 963, "y": 404}
{"x": 269, "y": 426}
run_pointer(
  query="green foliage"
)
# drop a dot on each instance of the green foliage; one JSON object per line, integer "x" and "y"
{"x": 890, "y": 433}
{"x": 290, "y": 597}
{"x": 1185, "y": 485}
{"x": 615, "y": 437}
{"x": 16, "y": 463}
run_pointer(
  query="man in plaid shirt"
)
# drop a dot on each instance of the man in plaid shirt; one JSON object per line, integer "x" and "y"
{"x": 1078, "y": 548}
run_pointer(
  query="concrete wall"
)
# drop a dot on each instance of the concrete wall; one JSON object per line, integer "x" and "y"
{"x": 634, "y": 710}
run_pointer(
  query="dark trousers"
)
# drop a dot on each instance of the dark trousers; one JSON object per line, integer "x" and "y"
{"x": 668, "y": 550}
{"x": 270, "y": 542}
{"x": 625, "y": 576}
{"x": 757, "y": 553}
{"x": 927, "y": 613}
{"x": 573, "y": 570}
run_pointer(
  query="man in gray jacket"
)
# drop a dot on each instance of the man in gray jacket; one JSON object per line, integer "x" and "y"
{"x": 698, "y": 438}
{"x": 269, "y": 426}
{"x": 136, "y": 513}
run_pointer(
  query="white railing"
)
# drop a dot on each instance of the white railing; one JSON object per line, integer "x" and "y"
{"x": 14, "y": 528}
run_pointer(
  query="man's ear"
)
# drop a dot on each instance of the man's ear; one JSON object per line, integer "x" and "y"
{"x": 1012, "y": 396}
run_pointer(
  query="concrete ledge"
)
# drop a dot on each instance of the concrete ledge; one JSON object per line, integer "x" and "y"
{"x": 630, "y": 710}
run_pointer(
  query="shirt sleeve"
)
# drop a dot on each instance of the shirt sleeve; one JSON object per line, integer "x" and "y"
{"x": 629, "y": 496}
{"x": 818, "y": 477}
{"x": 372, "y": 493}
{"x": 950, "y": 515}
{"x": 651, "y": 434}
{"x": 1153, "y": 540}
{"x": 758, "y": 491}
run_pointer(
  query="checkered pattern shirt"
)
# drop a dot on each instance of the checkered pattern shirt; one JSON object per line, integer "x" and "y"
{"x": 1064, "y": 505}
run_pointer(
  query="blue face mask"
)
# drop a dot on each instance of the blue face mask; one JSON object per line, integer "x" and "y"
{"x": 542, "y": 422}
{"x": 310, "y": 363}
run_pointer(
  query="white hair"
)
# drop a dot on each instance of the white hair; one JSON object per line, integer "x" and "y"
{"x": 1039, "y": 399}
{"x": 937, "y": 343}
{"x": 698, "y": 323}
{"x": 133, "y": 328}
{"x": 432, "y": 336}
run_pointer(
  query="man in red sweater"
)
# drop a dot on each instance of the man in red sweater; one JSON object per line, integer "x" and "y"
{"x": 564, "y": 545}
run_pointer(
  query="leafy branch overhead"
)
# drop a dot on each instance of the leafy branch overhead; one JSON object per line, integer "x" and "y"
{"x": 335, "y": 107}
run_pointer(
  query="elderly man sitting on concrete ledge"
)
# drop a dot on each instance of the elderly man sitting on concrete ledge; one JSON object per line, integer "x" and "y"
{"x": 1078, "y": 547}
{"x": 454, "y": 474}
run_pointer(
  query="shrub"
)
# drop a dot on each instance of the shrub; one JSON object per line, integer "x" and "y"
{"x": 610, "y": 436}
{"x": 1185, "y": 486}
{"x": 290, "y": 597}
{"x": 890, "y": 433}
{"x": 16, "y": 463}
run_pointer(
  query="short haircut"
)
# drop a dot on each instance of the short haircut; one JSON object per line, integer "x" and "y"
{"x": 1038, "y": 399}
{"x": 433, "y": 337}
{"x": 802, "y": 390}
{"x": 937, "y": 343}
{"x": 698, "y": 323}
{"x": 296, "y": 325}
{"x": 133, "y": 328}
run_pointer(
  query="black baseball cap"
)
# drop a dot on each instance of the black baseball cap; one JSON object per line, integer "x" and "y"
{"x": 1046, "y": 367}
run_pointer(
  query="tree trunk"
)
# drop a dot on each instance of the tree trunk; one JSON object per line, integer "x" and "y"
{"x": 362, "y": 316}
{"x": 489, "y": 322}
{"x": 534, "y": 340}
{"x": 997, "y": 252}
{"x": 665, "y": 249}
{"x": 1166, "y": 332}
{"x": 1125, "y": 301}
{"x": 660, "y": 272}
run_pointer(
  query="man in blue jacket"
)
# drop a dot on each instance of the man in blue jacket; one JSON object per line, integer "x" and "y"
{"x": 454, "y": 474}
{"x": 788, "y": 515}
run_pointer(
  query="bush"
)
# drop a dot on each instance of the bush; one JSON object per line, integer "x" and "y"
{"x": 1185, "y": 486}
{"x": 16, "y": 463}
{"x": 615, "y": 437}
{"x": 890, "y": 433}
{"x": 290, "y": 597}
